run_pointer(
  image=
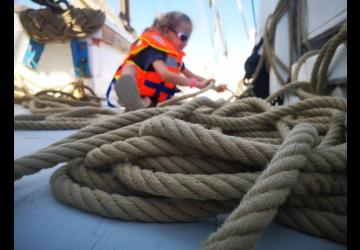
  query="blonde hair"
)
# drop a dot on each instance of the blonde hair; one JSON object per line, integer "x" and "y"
{"x": 170, "y": 20}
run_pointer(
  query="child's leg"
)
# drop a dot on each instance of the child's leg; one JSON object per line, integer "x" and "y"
{"x": 146, "y": 101}
{"x": 127, "y": 91}
{"x": 129, "y": 69}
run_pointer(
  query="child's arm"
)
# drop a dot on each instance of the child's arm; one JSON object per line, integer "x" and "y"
{"x": 175, "y": 78}
{"x": 188, "y": 73}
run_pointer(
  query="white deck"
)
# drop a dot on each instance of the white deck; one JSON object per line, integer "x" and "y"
{"x": 43, "y": 223}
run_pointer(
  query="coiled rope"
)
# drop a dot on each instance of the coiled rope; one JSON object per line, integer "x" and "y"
{"x": 44, "y": 25}
{"x": 167, "y": 164}
{"x": 50, "y": 24}
{"x": 57, "y": 109}
{"x": 203, "y": 158}
{"x": 75, "y": 91}
{"x": 59, "y": 113}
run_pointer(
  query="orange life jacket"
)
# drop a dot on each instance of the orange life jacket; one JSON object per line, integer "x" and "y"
{"x": 150, "y": 83}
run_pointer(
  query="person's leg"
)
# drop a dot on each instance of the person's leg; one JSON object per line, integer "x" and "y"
{"x": 127, "y": 91}
{"x": 146, "y": 101}
{"x": 129, "y": 70}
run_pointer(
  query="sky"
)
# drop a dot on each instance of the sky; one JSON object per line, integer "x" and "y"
{"x": 204, "y": 52}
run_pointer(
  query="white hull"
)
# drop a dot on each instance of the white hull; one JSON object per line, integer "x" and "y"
{"x": 55, "y": 69}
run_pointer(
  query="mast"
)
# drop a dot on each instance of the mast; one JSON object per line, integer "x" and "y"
{"x": 219, "y": 37}
{"x": 124, "y": 14}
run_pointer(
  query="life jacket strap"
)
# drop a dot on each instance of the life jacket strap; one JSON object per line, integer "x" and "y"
{"x": 160, "y": 87}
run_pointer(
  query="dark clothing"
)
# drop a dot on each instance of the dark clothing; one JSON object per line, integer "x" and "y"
{"x": 144, "y": 59}
{"x": 261, "y": 83}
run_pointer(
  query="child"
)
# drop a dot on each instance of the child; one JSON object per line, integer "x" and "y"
{"x": 154, "y": 66}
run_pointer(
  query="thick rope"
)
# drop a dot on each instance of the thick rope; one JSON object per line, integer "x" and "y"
{"x": 272, "y": 60}
{"x": 44, "y": 25}
{"x": 317, "y": 82}
{"x": 259, "y": 206}
{"x": 203, "y": 158}
{"x": 203, "y": 172}
{"x": 68, "y": 92}
{"x": 320, "y": 69}
{"x": 177, "y": 100}
{"x": 58, "y": 113}
{"x": 331, "y": 47}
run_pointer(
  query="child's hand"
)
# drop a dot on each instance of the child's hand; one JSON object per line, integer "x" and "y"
{"x": 220, "y": 88}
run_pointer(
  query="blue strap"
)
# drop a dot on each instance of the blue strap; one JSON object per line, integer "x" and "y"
{"x": 160, "y": 88}
{"x": 33, "y": 54}
{"x": 80, "y": 57}
{"x": 108, "y": 91}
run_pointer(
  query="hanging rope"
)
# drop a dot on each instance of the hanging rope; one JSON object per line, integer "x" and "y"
{"x": 272, "y": 60}
{"x": 320, "y": 70}
{"x": 49, "y": 24}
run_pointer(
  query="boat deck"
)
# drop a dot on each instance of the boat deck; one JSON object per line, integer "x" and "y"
{"x": 43, "y": 223}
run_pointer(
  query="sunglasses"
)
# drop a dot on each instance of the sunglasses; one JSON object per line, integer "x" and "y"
{"x": 182, "y": 36}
